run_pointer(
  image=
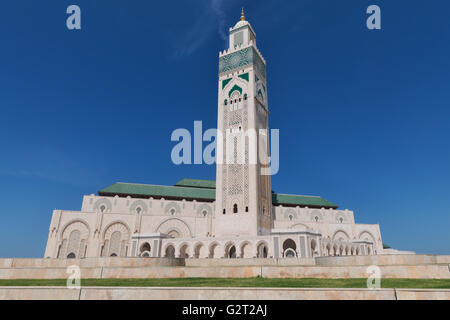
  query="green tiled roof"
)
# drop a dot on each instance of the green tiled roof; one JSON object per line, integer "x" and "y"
{"x": 147, "y": 190}
{"x": 203, "y": 190}
{"x": 195, "y": 183}
{"x": 309, "y": 201}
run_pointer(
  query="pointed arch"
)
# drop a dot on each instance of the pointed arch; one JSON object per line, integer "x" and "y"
{"x": 339, "y": 232}
{"x": 177, "y": 224}
{"x": 233, "y": 89}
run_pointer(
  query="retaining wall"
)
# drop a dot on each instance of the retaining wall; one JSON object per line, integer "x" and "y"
{"x": 399, "y": 266}
{"x": 122, "y": 293}
{"x": 415, "y": 272}
{"x": 248, "y": 262}
{"x": 378, "y": 260}
{"x": 443, "y": 259}
{"x": 89, "y": 262}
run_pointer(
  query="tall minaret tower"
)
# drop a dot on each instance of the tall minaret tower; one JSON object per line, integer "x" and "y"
{"x": 243, "y": 190}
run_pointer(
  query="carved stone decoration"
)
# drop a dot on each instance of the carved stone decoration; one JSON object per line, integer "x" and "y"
{"x": 116, "y": 238}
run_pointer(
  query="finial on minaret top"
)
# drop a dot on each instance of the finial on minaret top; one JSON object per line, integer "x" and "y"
{"x": 242, "y": 15}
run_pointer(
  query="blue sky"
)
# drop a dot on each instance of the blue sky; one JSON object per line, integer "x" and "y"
{"x": 363, "y": 115}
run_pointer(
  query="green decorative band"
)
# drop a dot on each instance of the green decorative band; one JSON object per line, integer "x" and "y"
{"x": 225, "y": 82}
{"x": 241, "y": 59}
{"x": 244, "y": 76}
{"x": 235, "y": 87}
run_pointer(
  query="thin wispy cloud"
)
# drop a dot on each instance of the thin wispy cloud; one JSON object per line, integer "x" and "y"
{"x": 217, "y": 7}
{"x": 211, "y": 19}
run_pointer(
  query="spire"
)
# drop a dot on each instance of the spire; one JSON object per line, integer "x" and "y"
{"x": 242, "y": 15}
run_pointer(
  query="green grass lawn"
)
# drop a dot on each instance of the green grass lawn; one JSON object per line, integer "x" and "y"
{"x": 236, "y": 282}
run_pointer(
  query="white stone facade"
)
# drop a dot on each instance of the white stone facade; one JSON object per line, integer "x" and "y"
{"x": 115, "y": 226}
{"x": 240, "y": 220}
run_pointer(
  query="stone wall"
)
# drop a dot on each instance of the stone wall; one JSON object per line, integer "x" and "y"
{"x": 89, "y": 262}
{"x": 379, "y": 260}
{"x": 248, "y": 262}
{"x": 117, "y": 293}
{"x": 391, "y": 266}
{"x": 443, "y": 259}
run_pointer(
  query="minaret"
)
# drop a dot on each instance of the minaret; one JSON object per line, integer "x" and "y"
{"x": 243, "y": 191}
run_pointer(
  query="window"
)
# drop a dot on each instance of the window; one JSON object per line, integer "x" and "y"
{"x": 224, "y": 211}
{"x": 102, "y": 209}
{"x": 204, "y": 213}
{"x": 138, "y": 210}
{"x": 71, "y": 255}
{"x": 290, "y": 217}
{"x": 225, "y": 102}
{"x": 316, "y": 218}
{"x": 246, "y": 209}
{"x": 235, "y": 208}
{"x": 172, "y": 211}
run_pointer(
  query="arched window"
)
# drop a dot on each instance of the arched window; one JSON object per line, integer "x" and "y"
{"x": 172, "y": 211}
{"x": 138, "y": 210}
{"x": 235, "y": 208}
{"x": 246, "y": 209}
{"x": 224, "y": 211}
{"x": 71, "y": 256}
{"x": 102, "y": 208}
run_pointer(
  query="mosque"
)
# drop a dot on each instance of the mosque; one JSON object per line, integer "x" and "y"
{"x": 236, "y": 216}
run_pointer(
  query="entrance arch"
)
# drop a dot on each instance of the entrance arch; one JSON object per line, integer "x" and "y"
{"x": 262, "y": 250}
{"x": 184, "y": 251}
{"x": 246, "y": 250}
{"x": 289, "y": 248}
{"x": 230, "y": 251}
{"x": 144, "y": 250}
{"x": 170, "y": 251}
